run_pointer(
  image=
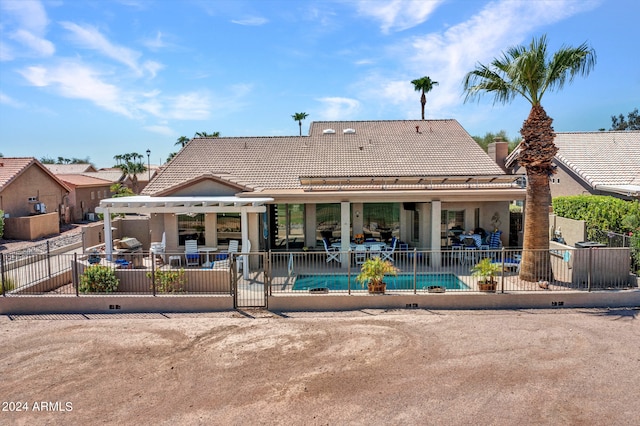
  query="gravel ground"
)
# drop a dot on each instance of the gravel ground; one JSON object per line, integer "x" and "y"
{"x": 13, "y": 245}
{"x": 373, "y": 367}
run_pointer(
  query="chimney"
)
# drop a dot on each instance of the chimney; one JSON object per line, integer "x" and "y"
{"x": 498, "y": 151}
{"x": 417, "y": 129}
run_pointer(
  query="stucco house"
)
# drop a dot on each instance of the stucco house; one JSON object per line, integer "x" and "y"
{"x": 85, "y": 195}
{"x": 597, "y": 163}
{"x": 29, "y": 189}
{"x": 412, "y": 179}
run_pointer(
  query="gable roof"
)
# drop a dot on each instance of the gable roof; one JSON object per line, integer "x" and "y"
{"x": 603, "y": 160}
{"x": 12, "y": 167}
{"x": 82, "y": 180}
{"x": 66, "y": 169}
{"x": 391, "y": 148}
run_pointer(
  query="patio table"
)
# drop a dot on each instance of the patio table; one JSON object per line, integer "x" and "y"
{"x": 367, "y": 244}
{"x": 207, "y": 250}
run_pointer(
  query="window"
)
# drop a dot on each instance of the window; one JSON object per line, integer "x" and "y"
{"x": 93, "y": 195}
{"x": 191, "y": 227}
{"x": 228, "y": 227}
{"x": 290, "y": 225}
{"x": 328, "y": 221}
{"x": 381, "y": 220}
{"x": 451, "y": 225}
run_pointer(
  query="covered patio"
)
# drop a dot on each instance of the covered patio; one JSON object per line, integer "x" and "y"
{"x": 163, "y": 212}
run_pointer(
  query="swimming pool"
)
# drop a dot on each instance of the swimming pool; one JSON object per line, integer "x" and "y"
{"x": 400, "y": 282}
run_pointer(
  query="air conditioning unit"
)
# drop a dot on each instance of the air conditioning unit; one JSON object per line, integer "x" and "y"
{"x": 40, "y": 208}
{"x": 91, "y": 217}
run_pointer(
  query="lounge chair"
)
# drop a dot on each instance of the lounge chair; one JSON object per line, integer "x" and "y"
{"x": 158, "y": 248}
{"x": 387, "y": 252}
{"x": 332, "y": 252}
{"x": 191, "y": 253}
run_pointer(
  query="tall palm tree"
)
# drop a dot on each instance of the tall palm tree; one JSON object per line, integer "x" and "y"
{"x": 207, "y": 135}
{"x": 424, "y": 85}
{"x": 299, "y": 116}
{"x": 131, "y": 166}
{"x": 182, "y": 141}
{"x": 528, "y": 71}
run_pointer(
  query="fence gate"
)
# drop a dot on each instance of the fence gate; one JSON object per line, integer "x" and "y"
{"x": 250, "y": 287}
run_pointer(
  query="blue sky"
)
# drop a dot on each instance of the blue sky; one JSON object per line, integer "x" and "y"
{"x": 98, "y": 78}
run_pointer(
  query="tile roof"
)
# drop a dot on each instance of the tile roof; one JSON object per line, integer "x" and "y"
{"x": 601, "y": 158}
{"x": 82, "y": 180}
{"x": 12, "y": 167}
{"x": 66, "y": 169}
{"x": 375, "y": 148}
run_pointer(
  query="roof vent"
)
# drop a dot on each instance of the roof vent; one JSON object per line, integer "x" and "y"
{"x": 348, "y": 131}
{"x": 328, "y": 132}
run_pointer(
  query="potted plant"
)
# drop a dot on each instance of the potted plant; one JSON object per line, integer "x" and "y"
{"x": 487, "y": 272}
{"x": 372, "y": 273}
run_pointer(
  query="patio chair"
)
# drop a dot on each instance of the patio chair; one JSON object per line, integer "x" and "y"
{"x": 387, "y": 252}
{"x": 360, "y": 254}
{"x": 375, "y": 250}
{"x": 191, "y": 253}
{"x": 332, "y": 252}
{"x": 158, "y": 248}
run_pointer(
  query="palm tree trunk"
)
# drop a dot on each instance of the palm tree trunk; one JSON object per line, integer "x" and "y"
{"x": 300, "y": 124}
{"x": 535, "y": 263}
{"x": 538, "y": 151}
{"x": 423, "y": 101}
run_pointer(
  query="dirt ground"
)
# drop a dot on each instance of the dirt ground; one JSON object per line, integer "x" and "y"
{"x": 569, "y": 367}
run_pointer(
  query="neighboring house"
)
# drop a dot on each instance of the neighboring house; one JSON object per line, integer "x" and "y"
{"x": 597, "y": 163}
{"x": 114, "y": 175}
{"x": 70, "y": 169}
{"x": 415, "y": 180}
{"x": 32, "y": 198}
{"x": 85, "y": 195}
{"x": 25, "y": 183}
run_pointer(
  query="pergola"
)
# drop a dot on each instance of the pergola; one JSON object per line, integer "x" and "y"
{"x": 141, "y": 204}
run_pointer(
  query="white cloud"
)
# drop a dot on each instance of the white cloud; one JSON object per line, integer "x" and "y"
{"x": 446, "y": 57}
{"x": 30, "y": 14}
{"x": 90, "y": 38}
{"x": 8, "y": 100}
{"x": 189, "y": 106}
{"x": 336, "y": 108}
{"x": 252, "y": 21}
{"x": 38, "y": 45}
{"x": 398, "y": 15}
{"x": 27, "y": 25}
{"x": 73, "y": 80}
{"x": 161, "y": 130}
{"x": 156, "y": 43}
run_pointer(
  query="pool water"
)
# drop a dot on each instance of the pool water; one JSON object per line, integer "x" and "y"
{"x": 399, "y": 282}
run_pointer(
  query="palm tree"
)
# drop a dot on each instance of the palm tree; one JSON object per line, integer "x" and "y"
{"x": 424, "y": 85}
{"x": 207, "y": 135}
{"x": 182, "y": 141}
{"x": 131, "y": 168}
{"x": 530, "y": 72}
{"x": 299, "y": 116}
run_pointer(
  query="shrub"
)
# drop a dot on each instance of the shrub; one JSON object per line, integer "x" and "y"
{"x": 9, "y": 284}
{"x": 98, "y": 279}
{"x": 598, "y": 211}
{"x": 168, "y": 281}
{"x": 1, "y": 223}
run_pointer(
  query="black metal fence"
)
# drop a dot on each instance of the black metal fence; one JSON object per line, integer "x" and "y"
{"x": 576, "y": 269}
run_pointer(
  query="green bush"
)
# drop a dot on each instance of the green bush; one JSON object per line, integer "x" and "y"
{"x": 8, "y": 284}
{"x": 1, "y": 223}
{"x": 168, "y": 281}
{"x": 98, "y": 279}
{"x": 599, "y": 212}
